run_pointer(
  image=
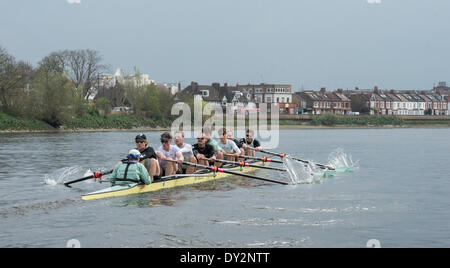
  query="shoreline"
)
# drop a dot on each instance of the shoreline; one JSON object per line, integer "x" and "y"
{"x": 281, "y": 127}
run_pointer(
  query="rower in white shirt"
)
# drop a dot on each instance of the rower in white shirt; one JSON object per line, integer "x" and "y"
{"x": 186, "y": 150}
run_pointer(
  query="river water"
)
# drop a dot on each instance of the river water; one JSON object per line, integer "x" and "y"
{"x": 399, "y": 195}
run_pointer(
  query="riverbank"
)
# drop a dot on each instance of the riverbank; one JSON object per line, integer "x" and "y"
{"x": 87, "y": 123}
{"x": 281, "y": 127}
{"x": 114, "y": 123}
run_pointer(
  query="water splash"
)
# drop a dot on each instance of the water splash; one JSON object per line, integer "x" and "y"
{"x": 341, "y": 161}
{"x": 60, "y": 175}
{"x": 299, "y": 173}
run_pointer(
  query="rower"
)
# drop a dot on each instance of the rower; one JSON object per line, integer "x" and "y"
{"x": 250, "y": 142}
{"x": 203, "y": 151}
{"x": 130, "y": 171}
{"x": 228, "y": 149}
{"x": 210, "y": 140}
{"x": 186, "y": 150}
{"x": 149, "y": 158}
{"x": 168, "y": 152}
{"x": 236, "y": 141}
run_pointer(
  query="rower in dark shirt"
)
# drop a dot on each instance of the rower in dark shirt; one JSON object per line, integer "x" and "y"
{"x": 149, "y": 158}
{"x": 204, "y": 152}
{"x": 250, "y": 142}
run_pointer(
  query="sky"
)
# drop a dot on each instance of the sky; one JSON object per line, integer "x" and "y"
{"x": 392, "y": 44}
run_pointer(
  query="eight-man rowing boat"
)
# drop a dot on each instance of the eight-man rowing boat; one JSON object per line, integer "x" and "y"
{"x": 132, "y": 189}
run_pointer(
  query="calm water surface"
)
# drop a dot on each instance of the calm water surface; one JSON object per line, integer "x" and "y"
{"x": 400, "y": 195}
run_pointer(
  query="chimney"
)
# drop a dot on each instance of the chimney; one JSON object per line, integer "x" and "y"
{"x": 194, "y": 85}
{"x": 216, "y": 86}
{"x": 323, "y": 90}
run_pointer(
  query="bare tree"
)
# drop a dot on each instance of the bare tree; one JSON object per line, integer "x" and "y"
{"x": 14, "y": 76}
{"x": 82, "y": 67}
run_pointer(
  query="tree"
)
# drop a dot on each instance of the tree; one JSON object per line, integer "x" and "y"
{"x": 52, "y": 95}
{"x": 82, "y": 67}
{"x": 358, "y": 104}
{"x": 103, "y": 105}
{"x": 14, "y": 77}
{"x": 146, "y": 99}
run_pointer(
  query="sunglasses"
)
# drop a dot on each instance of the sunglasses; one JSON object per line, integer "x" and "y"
{"x": 140, "y": 141}
{"x": 200, "y": 139}
{"x": 164, "y": 141}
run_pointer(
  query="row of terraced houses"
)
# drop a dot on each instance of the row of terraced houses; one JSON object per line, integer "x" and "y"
{"x": 281, "y": 97}
{"x": 376, "y": 101}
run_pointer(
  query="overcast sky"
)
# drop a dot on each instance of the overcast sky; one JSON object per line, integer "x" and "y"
{"x": 401, "y": 44}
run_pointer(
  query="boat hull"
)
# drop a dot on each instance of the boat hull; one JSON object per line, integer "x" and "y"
{"x": 133, "y": 189}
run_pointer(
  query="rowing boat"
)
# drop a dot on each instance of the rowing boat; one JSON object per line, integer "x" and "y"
{"x": 331, "y": 173}
{"x": 174, "y": 181}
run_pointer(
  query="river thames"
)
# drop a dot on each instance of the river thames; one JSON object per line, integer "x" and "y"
{"x": 398, "y": 195}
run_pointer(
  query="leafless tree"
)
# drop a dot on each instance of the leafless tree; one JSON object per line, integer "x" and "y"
{"x": 14, "y": 76}
{"x": 82, "y": 67}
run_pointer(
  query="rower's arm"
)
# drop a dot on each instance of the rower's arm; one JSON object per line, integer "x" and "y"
{"x": 113, "y": 177}
{"x": 160, "y": 155}
{"x": 143, "y": 173}
{"x": 180, "y": 157}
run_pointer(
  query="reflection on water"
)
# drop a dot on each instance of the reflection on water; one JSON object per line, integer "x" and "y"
{"x": 174, "y": 196}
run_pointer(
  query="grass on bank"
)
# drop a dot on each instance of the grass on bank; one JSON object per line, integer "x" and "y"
{"x": 8, "y": 122}
{"x": 362, "y": 120}
{"x": 114, "y": 122}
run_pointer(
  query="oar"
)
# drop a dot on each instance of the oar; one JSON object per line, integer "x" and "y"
{"x": 96, "y": 175}
{"x": 297, "y": 159}
{"x": 245, "y": 164}
{"x": 263, "y": 159}
{"x": 220, "y": 170}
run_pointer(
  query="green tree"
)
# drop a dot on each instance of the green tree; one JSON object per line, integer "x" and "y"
{"x": 146, "y": 99}
{"x": 52, "y": 96}
{"x": 103, "y": 105}
{"x": 358, "y": 104}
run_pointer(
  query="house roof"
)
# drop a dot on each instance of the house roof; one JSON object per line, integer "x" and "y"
{"x": 216, "y": 93}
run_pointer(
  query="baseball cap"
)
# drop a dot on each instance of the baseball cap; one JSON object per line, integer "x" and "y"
{"x": 141, "y": 137}
{"x": 134, "y": 154}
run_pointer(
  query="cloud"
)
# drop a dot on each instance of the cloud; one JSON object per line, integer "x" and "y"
{"x": 374, "y": 2}
{"x": 74, "y": 1}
